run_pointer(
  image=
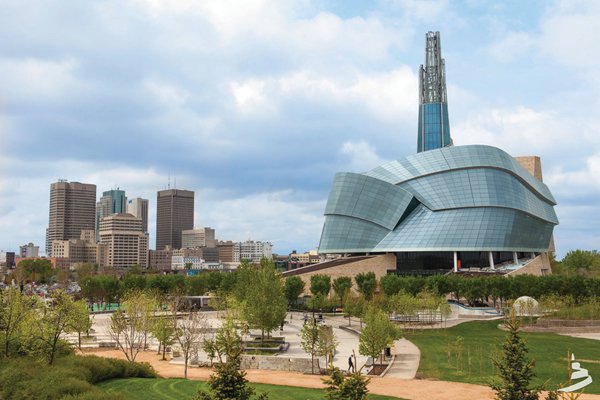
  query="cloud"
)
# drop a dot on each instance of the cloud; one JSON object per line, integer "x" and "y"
{"x": 362, "y": 156}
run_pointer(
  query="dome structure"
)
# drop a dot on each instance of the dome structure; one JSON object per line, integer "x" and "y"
{"x": 526, "y": 306}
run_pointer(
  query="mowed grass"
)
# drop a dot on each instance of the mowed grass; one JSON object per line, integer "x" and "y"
{"x": 443, "y": 356}
{"x": 181, "y": 389}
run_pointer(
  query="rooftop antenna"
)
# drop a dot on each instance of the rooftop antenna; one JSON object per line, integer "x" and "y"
{"x": 63, "y": 180}
{"x": 174, "y": 182}
{"x": 169, "y": 181}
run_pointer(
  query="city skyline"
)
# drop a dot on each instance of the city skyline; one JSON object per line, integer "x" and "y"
{"x": 256, "y": 118}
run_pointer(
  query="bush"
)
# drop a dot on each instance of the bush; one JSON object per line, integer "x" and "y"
{"x": 71, "y": 377}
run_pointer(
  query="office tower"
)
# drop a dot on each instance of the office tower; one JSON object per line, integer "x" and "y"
{"x": 199, "y": 237}
{"x": 434, "y": 128}
{"x": 138, "y": 207}
{"x": 126, "y": 243}
{"x": 112, "y": 202}
{"x": 174, "y": 214}
{"x": 72, "y": 209}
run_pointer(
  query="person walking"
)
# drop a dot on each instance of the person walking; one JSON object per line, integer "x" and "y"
{"x": 350, "y": 364}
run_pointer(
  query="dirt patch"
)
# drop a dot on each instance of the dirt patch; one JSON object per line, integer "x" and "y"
{"x": 378, "y": 369}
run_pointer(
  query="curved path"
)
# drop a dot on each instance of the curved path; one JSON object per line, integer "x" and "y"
{"x": 413, "y": 389}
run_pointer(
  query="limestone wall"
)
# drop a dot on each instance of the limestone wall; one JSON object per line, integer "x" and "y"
{"x": 279, "y": 363}
{"x": 538, "y": 266}
{"x": 378, "y": 264}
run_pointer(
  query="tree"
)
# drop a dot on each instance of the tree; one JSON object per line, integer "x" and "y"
{"x": 367, "y": 283}
{"x": 320, "y": 284}
{"x": 354, "y": 307}
{"x": 163, "y": 329}
{"x": 293, "y": 287}
{"x": 340, "y": 387}
{"x": 57, "y": 319}
{"x": 582, "y": 261}
{"x": 326, "y": 343}
{"x": 378, "y": 333}
{"x": 229, "y": 381}
{"x": 263, "y": 303}
{"x": 130, "y": 325}
{"x": 80, "y": 320}
{"x": 341, "y": 287}
{"x": 85, "y": 270}
{"x": 514, "y": 369}
{"x": 189, "y": 333}
{"x": 309, "y": 341}
{"x": 15, "y": 310}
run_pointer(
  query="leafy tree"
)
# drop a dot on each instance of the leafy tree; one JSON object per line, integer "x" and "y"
{"x": 582, "y": 261}
{"x": 57, "y": 319}
{"x": 326, "y": 343}
{"x": 130, "y": 325}
{"x": 378, "y": 333}
{"x": 390, "y": 284}
{"x": 293, "y": 287}
{"x": 80, "y": 320}
{"x": 229, "y": 381}
{"x": 163, "y": 329}
{"x": 341, "y": 287}
{"x": 263, "y": 303}
{"x": 340, "y": 387}
{"x": 15, "y": 310}
{"x": 354, "y": 307}
{"x": 320, "y": 284}
{"x": 309, "y": 341}
{"x": 85, "y": 270}
{"x": 367, "y": 283}
{"x": 514, "y": 369}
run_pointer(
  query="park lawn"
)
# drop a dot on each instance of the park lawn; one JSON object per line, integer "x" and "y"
{"x": 181, "y": 389}
{"x": 482, "y": 340}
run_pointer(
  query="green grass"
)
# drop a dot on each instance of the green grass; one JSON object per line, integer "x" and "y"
{"x": 181, "y": 389}
{"x": 483, "y": 340}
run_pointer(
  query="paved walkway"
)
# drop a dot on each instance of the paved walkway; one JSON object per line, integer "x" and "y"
{"x": 406, "y": 361}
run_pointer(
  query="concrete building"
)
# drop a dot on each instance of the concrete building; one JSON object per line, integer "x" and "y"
{"x": 138, "y": 207}
{"x": 72, "y": 209}
{"x": 226, "y": 251}
{"x": 199, "y": 237}
{"x": 76, "y": 251}
{"x": 174, "y": 214}
{"x": 126, "y": 243}
{"x": 112, "y": 202}
{"x": 161, "y": 260}
{"x": 29, "y": 251}
{"x": 251, "y": 250}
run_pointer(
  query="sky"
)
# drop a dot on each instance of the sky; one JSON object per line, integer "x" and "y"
{"x": 256, "y": 104}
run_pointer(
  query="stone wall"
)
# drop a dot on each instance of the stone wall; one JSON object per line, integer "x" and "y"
{"x": 538, "y": 266}
{"x": 378, "y": 264}
{"x": 279, "y": 363}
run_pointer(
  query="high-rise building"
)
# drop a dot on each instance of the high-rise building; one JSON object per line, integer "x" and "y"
{"x": 199, "y": 237}
{"x": 112, "y": 202}
{"x": 126, "y": 243}
{"x": 251, "y": 250}
{"x": 174, "y": 214}
{"x": 72, "y": 209}
{"x": 138, "y": 207}
{"x": 434, "y": 128}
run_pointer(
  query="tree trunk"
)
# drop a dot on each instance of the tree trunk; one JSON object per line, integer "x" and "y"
{"x": 164, "y": 351}
{"x": 185, "y": 365}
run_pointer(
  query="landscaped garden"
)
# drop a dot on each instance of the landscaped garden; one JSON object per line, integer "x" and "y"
{"x": 181, "y": 389}
{"x": 464, "y": 354}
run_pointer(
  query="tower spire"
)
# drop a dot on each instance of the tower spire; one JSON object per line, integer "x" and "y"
{"x": 434, "y": 129}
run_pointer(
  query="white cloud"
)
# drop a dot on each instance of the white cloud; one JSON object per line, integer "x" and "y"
{"x": 362, "y": 156}
{"x": 250, "y": 96}
{"x": 513, "y": 46}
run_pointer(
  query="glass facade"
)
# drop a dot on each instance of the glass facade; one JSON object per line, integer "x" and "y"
{"x": 467, "y": 198}
{"x": 434, "y": 129}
